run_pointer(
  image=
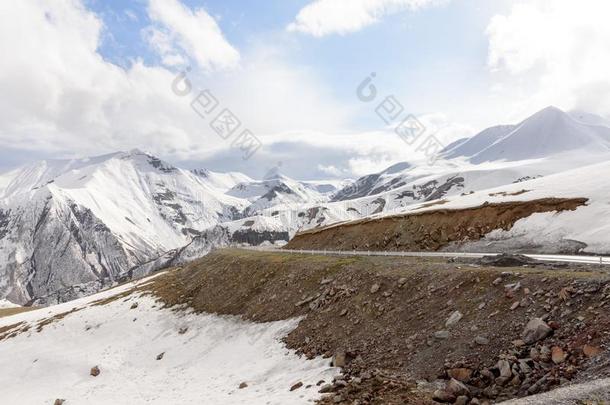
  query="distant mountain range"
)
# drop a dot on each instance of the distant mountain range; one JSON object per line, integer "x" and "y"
{"x": 72, "y": 227}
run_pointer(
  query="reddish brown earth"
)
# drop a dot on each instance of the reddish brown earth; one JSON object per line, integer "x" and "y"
{"x": 428, "y": 230}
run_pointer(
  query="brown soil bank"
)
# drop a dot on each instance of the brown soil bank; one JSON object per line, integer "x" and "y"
{"x": 429, "y": 230}
{"x": 385, "y": 319}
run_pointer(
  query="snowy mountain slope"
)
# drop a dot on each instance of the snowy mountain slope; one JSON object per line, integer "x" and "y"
{"x": 588, "y": 225}
{"x": 477, "y": 143}
{"x": 88, "y": 221}
{"x": 6, "y": 179}
{"x": 150, "y": 355}
{"x": 278, "y": 190}
{"x": 393, "y": 177}
{"x": 222, "y": 181}
{"x": 589, "y": 118}
{"x": 548, "y": 132}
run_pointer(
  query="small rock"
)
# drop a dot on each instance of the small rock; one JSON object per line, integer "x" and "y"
{"x": 402, "y": 281}
{"x": 558, "y": 355}
{"x": 545, "y": 353}
{"x": 456, "y": 388}
{"x": 591, "y": 351}
{"x": 183, "y": 330}
{"x": 326, "y": 281}
{"x": 453, "y": 319}
{"x": 461, "y": 374}
{"x": 518, "y": 343}
{"x": 441, "y": 334}
{"x": 524, "y": 367}
{"x": 296, "y": 386}
{"x": 374, "y": 288}
{"x": 534, "y": 354}
{"x": 535, "y": 330}
{"x": 480, "y": 340}
{"x": 343, "y": 312}
{"x": 243, "y": 385}
{"x": 95, "y": 371}
{"x": 497, "y": 281}
{"x": 134, "y": 305}
{"x": 338, "y": 360}
{"x": 515, "y": 305}
{"x": 504, "y": 367}
{"x": 443, "y": 396}
{"x": 160, "y": 356}
{"x": 326, "y": 388}
{"x": 461, "y": 400}
{"x": 59, "y": 401}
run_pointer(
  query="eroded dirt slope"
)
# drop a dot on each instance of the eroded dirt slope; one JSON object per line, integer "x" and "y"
{"x": 391, "y": 321}
{"x": 428, "y": 230}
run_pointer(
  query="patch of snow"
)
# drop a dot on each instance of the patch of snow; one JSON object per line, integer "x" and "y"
{"x": 206, "y": 364}
{"x": 4, "y": 304}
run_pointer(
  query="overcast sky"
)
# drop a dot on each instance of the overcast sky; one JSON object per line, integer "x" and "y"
{"x": 87, "y": 77}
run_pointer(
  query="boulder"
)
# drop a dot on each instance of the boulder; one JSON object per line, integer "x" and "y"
{"x": 296, "y": 386}
{"x": 504, "y": 367}
{"x": 461, "y": 374}
{"x": 441, "y": 334}
{"x": 456, "y": 388}
{"x": 591, "y": 351}
{"x": 480, "y": 340}
{"x": 461, "y": 400}
{"x": 339, "y": 359}
{"x": 558, "y": 355}
{"x": 453, "y": 319}
{"x": 535, "y": 330}
{"x": 443, "y": 396}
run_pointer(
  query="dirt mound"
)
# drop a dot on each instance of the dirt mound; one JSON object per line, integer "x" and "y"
{"x": 391, "y": 321}
{"x": 428, "y": 230}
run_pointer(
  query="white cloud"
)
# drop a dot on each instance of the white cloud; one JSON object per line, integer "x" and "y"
{"x": 59, "y": 97}
{"x": 553, "y": 52}
{"x": 324, "y": 17}
{"x": 194, "y": 32}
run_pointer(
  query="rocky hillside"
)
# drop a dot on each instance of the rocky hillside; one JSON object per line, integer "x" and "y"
{"x": 471, "y": 330}
{"x": 400, "y": 331}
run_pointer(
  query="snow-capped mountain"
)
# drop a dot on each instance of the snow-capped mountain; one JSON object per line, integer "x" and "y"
{"x": 80, "y": 221}
{"x": 71, "y": 227}
{"x": 222, "y": 181}
{"x": 279, "y": 190}
{"x": 547, "y": 142}
{"x": 546, "y": 133}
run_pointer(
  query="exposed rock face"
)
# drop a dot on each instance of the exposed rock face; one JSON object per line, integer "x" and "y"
{"x": 58, "y": 246}
{"x": 255, "y": 238}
